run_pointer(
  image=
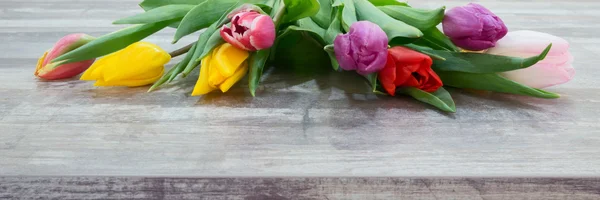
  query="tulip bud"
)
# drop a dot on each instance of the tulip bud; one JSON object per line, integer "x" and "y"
{"x": 225, "y": 66}
{"x": 473, "y": 27}
{"x": 408, "y": 68}
{"x": 363, "y": 49}
{"x": 52, "y": 71}
{"x": 250, "y": 31}
{"x": 139, "y": 64}
{"x": 556, "y": 68}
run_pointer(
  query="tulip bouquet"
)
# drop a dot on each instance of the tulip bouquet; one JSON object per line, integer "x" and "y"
{"x": 397, "y": 48}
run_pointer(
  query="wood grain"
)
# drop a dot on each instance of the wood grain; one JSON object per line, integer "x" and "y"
{"x": 299, "y": 125}
{"x": 298, "y": 188}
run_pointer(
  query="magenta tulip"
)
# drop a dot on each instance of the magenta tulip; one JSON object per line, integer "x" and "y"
{"x": 250, "y": 31}
{"x": 363, "y": 49}
{"x": 473, "y": 27}
{"x": 556, "y": 69}
{"x": 52, "y": 71}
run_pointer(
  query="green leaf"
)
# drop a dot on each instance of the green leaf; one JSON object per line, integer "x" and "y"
{"x": 435, "y": 39}
{"x": 168, "y": 12}
{"x": 163, "y": 79}
{"x": 398, "y": 32}
{"x": 317, "y": 34}
{"x": 484, "y": 63}
{"x": 387, "y": 3}
{"x": 348, "y": 15}
{"x": 491, "y": 82}
{"x": 372, "y": 78}
{"x": 257, "y": 64}
{"x": 419, "y": 18}
{"x": 214, "y": 41}
{"x": 312, "y": 60}
{"x": 173, "y": 72}
{"x": 208, "y": 40}
{"x": 425, "y": 50}
{"x": 332, "y": 32}
{"x": 200, "y": 47}
{"x": 112, "y": 42}
{"x": 152, "y": 4}
{"x": 298, "y": 9}
{"x": 202, "y": 16}
{"x": 323, "y": 17}
{"x": 312, "y": 26}
{"x": 335, "y": 28}
{"x": 183, "y": 64}
{"x": 334, "y": 62}
{"x": 440, "y": 98}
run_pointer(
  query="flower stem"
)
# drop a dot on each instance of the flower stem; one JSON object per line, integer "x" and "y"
{"x": 279, "y": 14}
{"x": 181, "y": 51}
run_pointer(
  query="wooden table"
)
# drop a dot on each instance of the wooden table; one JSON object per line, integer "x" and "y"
{"x": 53, "y": 134}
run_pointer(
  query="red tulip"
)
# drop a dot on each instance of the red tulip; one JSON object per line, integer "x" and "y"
{"x": 52, "y": 71}
{"x": 250, "y": 31}
{"x": 408, "y": 68}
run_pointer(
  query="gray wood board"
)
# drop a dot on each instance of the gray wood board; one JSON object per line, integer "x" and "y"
{"x": 297, "y": 188}
{"x": 299, "y": 125}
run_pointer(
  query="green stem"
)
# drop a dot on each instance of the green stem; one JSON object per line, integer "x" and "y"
{"x": 181, "y": 51}
{"x": 279, "y": 14}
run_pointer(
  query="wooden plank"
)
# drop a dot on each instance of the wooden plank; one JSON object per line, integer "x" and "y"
{"x": 297, "y": 188}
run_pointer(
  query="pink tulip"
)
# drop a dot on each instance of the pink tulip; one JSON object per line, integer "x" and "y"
{"x": 52, "y": 71}
{"x": 250, "y": 31}
{"x": 556, "y": 69}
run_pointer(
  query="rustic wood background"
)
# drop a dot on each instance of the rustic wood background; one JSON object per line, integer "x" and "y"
{"x": 311, "y": 125}
{"x": 298, "y": 188}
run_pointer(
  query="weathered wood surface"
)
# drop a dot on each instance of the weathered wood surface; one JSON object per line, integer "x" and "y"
{"x": 322, "y": 125}
{"x": 298, "y": 188}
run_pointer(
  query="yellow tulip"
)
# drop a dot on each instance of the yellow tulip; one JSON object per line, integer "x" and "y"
{"x": 221, "y": 69}
{"x": 139, "y": 64}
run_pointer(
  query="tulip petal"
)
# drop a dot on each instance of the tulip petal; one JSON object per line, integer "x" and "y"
{"x": 202, "y": 87}
{"x": 387, "y": 76}
{"x": 555, "y": 69}
{"x": 343, "y": 52}
{"x": 144, "y": 57}
{"x": 363, "y": 48}
{"x": 229, "y": 59}
{"x": 214, "y": 78}
{"x": 54, "y": 71}
{"x": 45, "y": 69}
{"x": 542, "y": 75}
{"x": 130, "y": 82}
{"x": 66, "y": 44}
{"x": 473, "y": 27}
{"x": 40, "y": 63}
{"x": 250, "y": 31}
{"x": 237, "y": 76}
{"x": 461, "y": 22}
{"x": 139, "y": 64}
{"x": 262, "y": 32}
{"x": 227, "y": 35}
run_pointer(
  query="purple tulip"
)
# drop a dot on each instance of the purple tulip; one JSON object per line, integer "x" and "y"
{"x": 473, "y": 27}
{"x": 363, "y": 49}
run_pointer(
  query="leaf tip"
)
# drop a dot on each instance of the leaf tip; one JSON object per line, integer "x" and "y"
{"x": 151, "y": 89}
{"x": 553, "y": 95}
{"x": 545, "y": 52}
